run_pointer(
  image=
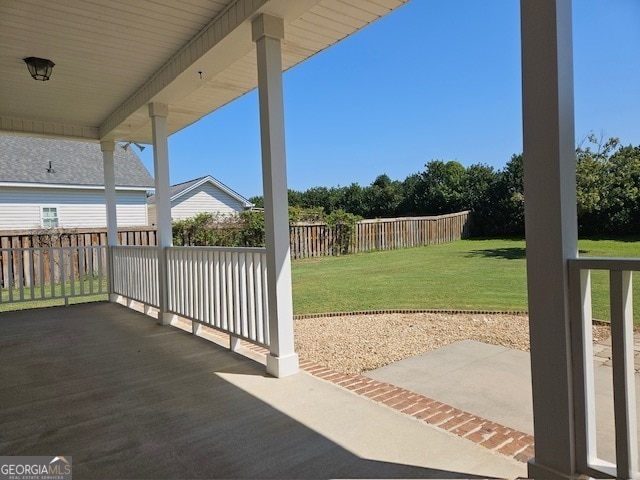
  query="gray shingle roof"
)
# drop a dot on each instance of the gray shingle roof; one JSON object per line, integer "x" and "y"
{"x": 181, "y": 187}
{"x": 26, "y": 160}
{"x": 175, "y": 189}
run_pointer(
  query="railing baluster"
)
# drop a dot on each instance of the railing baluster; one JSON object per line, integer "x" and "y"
{"x": 259, "y": 295}
{"x": 622, "y": 346}
{"x": 135, "y": 273}
{"x": 222, "y": 287}
{"x": 217, "y": 289}
{"x": 235, "y": 283}
{"x": 42, "y": 280}
{"x": 21, "y": 278}
{"x": 624, "y": 396}
{"x": 583, "y": 360}
{"x": 242, "y": 292}
{"x": 223, "y": 291}
{"x": 171, "y": 280}
{"x": 217, "y": 286}
{"x": 72, "y": 277}
{"x": 90, "y": 271}
{"x": 251, "y": 294}
{"x": 100, "y": 270}
{"x": 32, "y": 273}
{"x": 265, "y": 301}
{"x": 10, "y": 275}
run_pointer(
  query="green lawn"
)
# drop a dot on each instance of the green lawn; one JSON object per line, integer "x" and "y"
{"x": 468, "y": 274}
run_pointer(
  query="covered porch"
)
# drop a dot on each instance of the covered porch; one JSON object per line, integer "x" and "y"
{"x": 129, "y": 398}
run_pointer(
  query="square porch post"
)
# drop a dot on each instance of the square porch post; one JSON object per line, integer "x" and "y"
{"x": 108, "y": 148}
{"x": 268, "y": 32}
{"x": 164, "y": 236}
{"x": 551, "y": 227}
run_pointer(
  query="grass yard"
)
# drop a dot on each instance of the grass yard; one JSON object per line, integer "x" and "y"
{"x": 483, "y": 274}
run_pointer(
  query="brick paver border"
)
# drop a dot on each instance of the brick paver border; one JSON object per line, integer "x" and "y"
{"x": 491, "y": 435}
{"x": 486, "y": 433}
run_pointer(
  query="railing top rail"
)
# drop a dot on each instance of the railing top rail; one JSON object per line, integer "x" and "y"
{"x": 605, "y": 263}
{"x": 134, "y": 247}
{"x": 223, "y": 249}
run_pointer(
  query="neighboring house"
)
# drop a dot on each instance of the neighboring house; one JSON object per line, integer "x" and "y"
{"x": 47, "y": 183}
{"x": 201, "y": 195}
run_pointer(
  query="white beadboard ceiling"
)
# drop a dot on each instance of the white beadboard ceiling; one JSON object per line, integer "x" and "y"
{"x": 114, "y": 57}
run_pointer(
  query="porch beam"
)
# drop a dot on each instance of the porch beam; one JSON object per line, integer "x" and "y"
{"x": 218, "y": 30}
{"x": 551, "y": 227}
{"x": 48, "y": 129}
{"x": 268, "y": 32}
{"x": 164, "y": 237}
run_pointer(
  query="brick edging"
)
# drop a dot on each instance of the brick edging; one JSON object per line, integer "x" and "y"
{"x": 304, "y": 316}
{"x": 410, "y": 310}
{"x": 491, "y": 435}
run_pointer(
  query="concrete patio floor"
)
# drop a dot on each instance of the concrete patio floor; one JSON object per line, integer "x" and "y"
{"x": 127, "y": 398}
{"x": 501, "y": 381}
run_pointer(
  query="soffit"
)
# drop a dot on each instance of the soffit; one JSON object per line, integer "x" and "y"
{"x": 113, "y": 58}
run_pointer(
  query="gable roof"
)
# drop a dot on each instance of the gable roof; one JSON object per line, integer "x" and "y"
{"x": 181, "y": 189}
{"x": 25, "y": 160}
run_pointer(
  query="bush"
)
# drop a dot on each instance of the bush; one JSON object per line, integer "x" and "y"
{"x": 247, "y": 228}
{"x": 206, "y": 229}
{"x": 344, "y": 224}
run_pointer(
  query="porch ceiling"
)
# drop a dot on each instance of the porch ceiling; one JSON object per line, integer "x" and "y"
{"x": 113, "y": 58}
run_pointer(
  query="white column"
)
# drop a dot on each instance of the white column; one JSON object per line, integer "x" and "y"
{"x": 268, "y": 32}
{"x": 164, "y": 238}
{"x": 551, "y": 227}
{"x": 108, "y": 148}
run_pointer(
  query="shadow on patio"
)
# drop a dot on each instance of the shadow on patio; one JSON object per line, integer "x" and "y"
{"x": 127, "y": 398}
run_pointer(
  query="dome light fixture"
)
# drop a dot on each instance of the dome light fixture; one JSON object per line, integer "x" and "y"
{"x": 39, "y": 68}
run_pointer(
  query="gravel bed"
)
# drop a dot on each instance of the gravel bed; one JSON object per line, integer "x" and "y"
{"x": 359, "y": 343}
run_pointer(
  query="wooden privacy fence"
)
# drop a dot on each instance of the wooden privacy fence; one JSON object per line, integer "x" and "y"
{"x": 307, "y": 240}
{"x": 74, "y": 237}
{"x": 320, "y": 239}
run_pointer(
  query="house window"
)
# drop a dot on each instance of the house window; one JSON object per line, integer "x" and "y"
{"x": 49, "y": 217}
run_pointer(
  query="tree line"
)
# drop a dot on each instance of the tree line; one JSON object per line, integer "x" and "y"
{"x": 608, "y": 192}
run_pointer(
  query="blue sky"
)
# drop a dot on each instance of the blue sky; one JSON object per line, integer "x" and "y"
{"x": 436, "y": 79}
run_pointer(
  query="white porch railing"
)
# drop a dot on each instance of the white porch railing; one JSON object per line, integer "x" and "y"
{"x": 43, "y": 273}
{"x": 134, "y": 273}
{"x": 223, "y": 288}
{"x": 624, "y": 393}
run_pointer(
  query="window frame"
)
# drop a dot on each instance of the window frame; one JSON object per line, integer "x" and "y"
{"x": 57, "y": 216}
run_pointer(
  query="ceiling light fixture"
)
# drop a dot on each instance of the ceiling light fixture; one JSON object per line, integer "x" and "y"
{"x": 39, "y": 68}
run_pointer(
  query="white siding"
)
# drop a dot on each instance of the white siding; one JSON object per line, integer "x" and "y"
{"x": 151, "y": 212}
{"x": 205, "y": 198}
{"x": 20, "y": 208}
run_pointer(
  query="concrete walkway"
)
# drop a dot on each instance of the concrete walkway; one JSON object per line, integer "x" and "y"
{"x": 494, "y": 382}
{"x": 126, "y": 398}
